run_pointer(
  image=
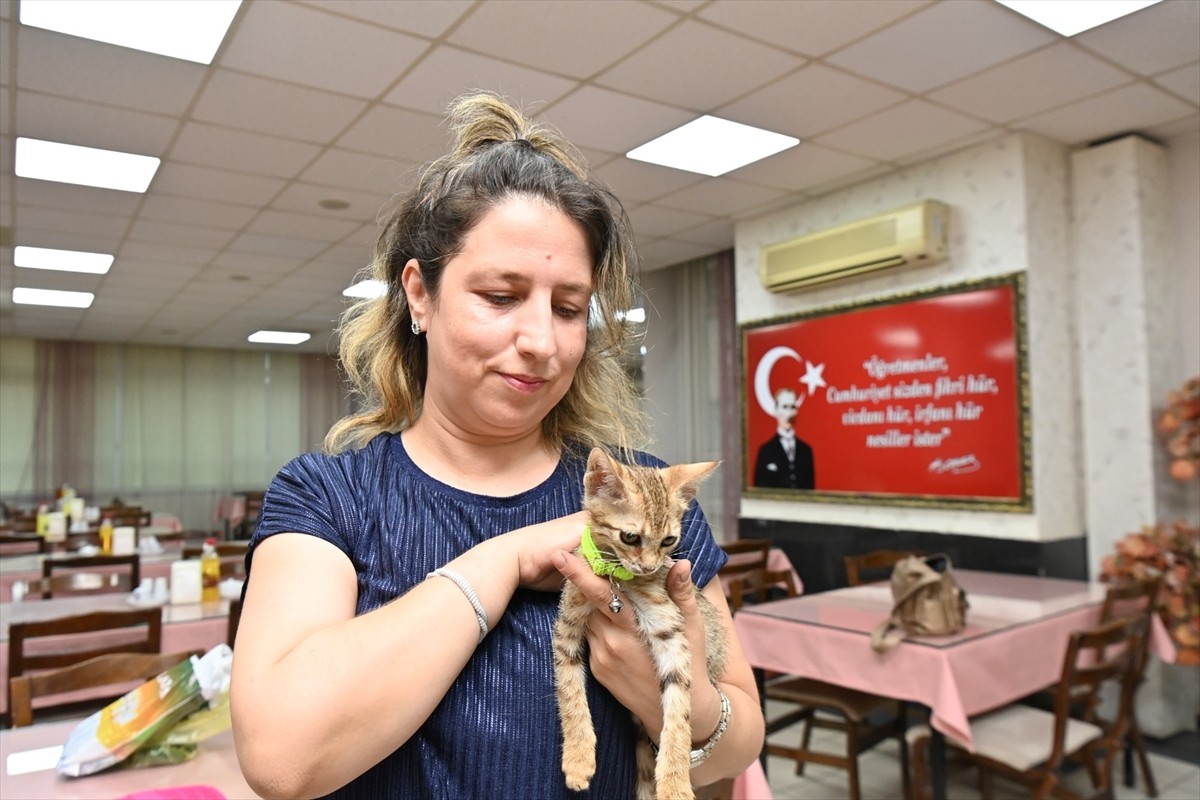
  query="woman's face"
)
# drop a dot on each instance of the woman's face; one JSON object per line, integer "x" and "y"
{"x": 509, "y": 326}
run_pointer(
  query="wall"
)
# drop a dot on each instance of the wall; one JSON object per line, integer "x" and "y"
{"x": 1011, "y": 202}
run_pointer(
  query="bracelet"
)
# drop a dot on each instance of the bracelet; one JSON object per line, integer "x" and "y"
{"x": 469, "y": 591}
{"x": 700, "y": 755}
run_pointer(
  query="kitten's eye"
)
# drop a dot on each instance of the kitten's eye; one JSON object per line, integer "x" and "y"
{"x": 669, "y": 542}
{"x": 630, "y": 537}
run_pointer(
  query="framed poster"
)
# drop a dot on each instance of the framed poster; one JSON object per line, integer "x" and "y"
{"x": 917, "y": 399}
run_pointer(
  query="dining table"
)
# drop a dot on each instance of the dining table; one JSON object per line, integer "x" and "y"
{"x": 186, "y": 626}
{"x": 27, "y": 569}
{"x": 1015, "y": 638}
{"x": 28, "y": 757}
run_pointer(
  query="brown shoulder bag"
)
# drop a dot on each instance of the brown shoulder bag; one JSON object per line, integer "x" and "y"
{"x": 926, "y": 601}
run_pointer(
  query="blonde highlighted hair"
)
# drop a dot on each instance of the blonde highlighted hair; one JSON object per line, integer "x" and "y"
{"x": 498, "y": 154}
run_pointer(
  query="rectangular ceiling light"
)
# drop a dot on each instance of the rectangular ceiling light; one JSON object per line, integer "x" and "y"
{"x": 278, "y": 337}
{"x": 1070, "y": 17}
{"x": 712, "y": 146}
{"x": 368, "y": 288}
{"x": 52, "y": 297}
{"x": 63, "y": 260}
{"x": 187, "y": 29}
{"x": 86, "y": 166}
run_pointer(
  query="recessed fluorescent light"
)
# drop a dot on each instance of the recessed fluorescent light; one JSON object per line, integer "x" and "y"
{"x": 52, "y": 297}
{"x": 712, "y": 146}
{"x": 367, "y": 288}
{"x": 1070, "y": 17}
{"x": 187, "y": 29}
{"x": 64, "y": 260}
{"x": 86, "y": 166}
{"x": 278, "y": 337}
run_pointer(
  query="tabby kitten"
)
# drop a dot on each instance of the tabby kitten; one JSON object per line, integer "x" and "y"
{"x": 635, "y": 515}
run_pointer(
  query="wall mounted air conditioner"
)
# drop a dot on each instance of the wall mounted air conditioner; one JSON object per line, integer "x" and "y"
{"x": 913, "y": 234}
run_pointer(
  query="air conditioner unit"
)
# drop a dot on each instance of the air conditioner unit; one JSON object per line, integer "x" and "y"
{"x": 913, "y": 234}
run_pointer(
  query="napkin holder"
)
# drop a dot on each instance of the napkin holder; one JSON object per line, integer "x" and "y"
{"x": 186, "y": 583}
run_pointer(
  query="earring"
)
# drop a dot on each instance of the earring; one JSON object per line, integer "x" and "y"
{"x": 416, "y": 328}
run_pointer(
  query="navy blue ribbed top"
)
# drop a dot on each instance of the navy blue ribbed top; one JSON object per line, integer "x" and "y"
{"x": 496, "y": 732}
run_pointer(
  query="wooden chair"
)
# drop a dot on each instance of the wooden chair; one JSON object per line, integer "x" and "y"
{"x": 1031, "y": 745}
{"x": 135, "y": 516}
{"x": 865, "y": 719}
{"x": 235, "y": 617}
{"x": 232, "y": 555}
{"x": 1137, "y": 599}
{"x": 55, "y": 643}
{"x": 79, "y": 575}
{"x": 873, "y": 566}
{"x": 121, "y": 671}
{"x": 22, "y": 544}
{"x": 745, "y": 555}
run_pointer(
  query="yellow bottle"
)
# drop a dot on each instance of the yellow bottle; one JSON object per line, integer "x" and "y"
{"x": 210, "y": 572}
{"x": 106, "y": 536}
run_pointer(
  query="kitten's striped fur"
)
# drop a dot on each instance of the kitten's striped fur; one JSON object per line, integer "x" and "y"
{"x": 635, "y": 516}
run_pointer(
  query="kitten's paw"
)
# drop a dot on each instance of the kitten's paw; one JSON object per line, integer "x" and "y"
{"x": 674, "y": 789}
{"x": 579, "y": 767}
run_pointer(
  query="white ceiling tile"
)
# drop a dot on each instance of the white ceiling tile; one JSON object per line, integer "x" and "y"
{"x": 266, "y": 106}
{"x": 189, "y": 180}
{"x": 812, "y": 27}
{"x": 397, "y": 133}
{"x": 449, "y": 72}
{"x": 679, "y": 67}
{"x": 614, "y": 122}
{"x": 171, "y": 208}
{"x": 208, "y": 145}
{"x": 1032, "y": 83}
{"x": 101, "y": 73}
{"x": 900, "y": 131}
{"x": 717, "y": 234}
{"x": 565, "y": 38}
{"x": 36, "y": 218}
{"x": 1185, "y": 127}
{"x": 421, "y": 17}
{"x": 53, "y": 279}
{"x": 127, "y": 273}
{"x": 653, "y": 221}
{"x": 343, "y": 169}
{"x": 802, "y": 167}
{"x": 666, "y": 252}
{"x": 1120, "y": 110}
{"x": 721, "y": 196}
{"x": 637, "y": 182}
{"x": 942, "y": 43}
{"x": 90, "y": 199}
{"x": 305, "y": 197}
{"x": 165, "y": 254}
{"x": 797, "y": 105}
{"x": 276, "y": 245}
{"x": 58, "y": 119}
{"x": 145, "y": 230}
{"x": 5, "y": 71}
{"x": 1151, "y": 40}
{"x": 256, "y": 265}
{"x": 301, "y": 226}
{"x": 324, "y": 51}
{"x": 1184, "y": 82}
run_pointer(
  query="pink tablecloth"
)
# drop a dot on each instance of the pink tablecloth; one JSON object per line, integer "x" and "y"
{"x": 1017, "y": 632}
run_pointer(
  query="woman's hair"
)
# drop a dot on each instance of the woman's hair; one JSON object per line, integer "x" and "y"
{"x": 498, "y": 154}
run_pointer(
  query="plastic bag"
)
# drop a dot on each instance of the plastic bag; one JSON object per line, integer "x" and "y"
{"x": 146, "y": 714}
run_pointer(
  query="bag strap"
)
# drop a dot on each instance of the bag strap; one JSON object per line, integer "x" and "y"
{"x": 886, "y": 635}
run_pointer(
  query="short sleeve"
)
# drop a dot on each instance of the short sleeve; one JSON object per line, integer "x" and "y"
{"x": 311, "y": 494}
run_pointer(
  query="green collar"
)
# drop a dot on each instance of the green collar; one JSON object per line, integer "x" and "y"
{"x": 600, "y": 565}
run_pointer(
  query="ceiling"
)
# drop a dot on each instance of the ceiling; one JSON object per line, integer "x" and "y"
{"x": 321, "y": 100}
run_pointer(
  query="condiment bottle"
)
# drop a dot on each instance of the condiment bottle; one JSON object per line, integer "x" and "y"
{"x": 106, "y": 536}
{"x": 210, "y": 572}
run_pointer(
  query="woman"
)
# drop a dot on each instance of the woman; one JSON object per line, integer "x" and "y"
{"x": 487, "y": 373}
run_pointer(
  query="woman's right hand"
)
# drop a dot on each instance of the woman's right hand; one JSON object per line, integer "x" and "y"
{"x": 533, "y": 547}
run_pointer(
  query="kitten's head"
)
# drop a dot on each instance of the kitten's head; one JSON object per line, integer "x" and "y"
{"x": 636, "y": 512}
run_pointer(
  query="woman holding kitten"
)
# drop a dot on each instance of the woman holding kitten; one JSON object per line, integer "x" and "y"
{"x": 402, "y": 589}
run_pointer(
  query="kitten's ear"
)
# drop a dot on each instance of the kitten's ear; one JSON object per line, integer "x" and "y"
{"x": 603, "y": 478}
{"x": 686, "y": 477}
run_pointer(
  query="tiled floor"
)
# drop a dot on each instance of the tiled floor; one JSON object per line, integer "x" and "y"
{"x": 879, "y": 776}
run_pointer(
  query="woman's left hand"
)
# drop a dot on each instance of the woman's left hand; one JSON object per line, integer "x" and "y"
{"x": 621, "y": 661}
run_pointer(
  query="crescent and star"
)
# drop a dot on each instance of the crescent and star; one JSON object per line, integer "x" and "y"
{"x": 813, "y": 377}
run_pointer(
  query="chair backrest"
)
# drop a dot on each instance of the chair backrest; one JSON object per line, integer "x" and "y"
{"x": 1133, "y": 598}
{"x": 136, "y": 516}
{"x": 90, "y": 574}
{"x": 235, "y": 617}
{"x": 117, "y": 670}
{"x": 1105, "y": 655}
{"x": 757, "y": 585}
{"x": 22, "y": 544}
{"x": 60, "y": 642}
{"x": 873, "y": 566}
{"x": 745, "y": 555}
